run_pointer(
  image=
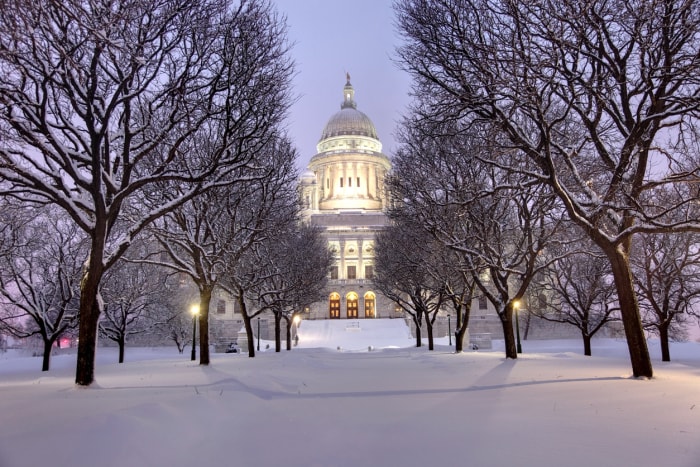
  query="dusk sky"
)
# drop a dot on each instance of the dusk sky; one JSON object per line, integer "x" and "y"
{"x": 333, "y": 37}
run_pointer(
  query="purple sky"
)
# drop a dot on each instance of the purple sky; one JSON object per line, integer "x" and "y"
{"x": 334, "y": 37}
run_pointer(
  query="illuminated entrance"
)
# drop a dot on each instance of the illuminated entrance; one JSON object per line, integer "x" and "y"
{"x": 334, "y": 305}
{"x": 369, "y": 305}
{"x": 352, "y": 305}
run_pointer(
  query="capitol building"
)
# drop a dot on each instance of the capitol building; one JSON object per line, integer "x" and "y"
{"x": 343, "y": 192}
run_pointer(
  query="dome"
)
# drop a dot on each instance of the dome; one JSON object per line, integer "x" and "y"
{"x": 308, "y": 176}
{"x": 349, "y": 121}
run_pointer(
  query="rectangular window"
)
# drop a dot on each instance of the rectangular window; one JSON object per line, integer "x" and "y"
{"x": 369, "y": 272}
{"x": 221, "y": 307}
{"x": 341, "y": 182}
{"x": 328, "y": 183}
{"x": 334, "y": 272}
{"x": 352, "y": 272}
{"x": 482, "y": 302}
{"x": 358, "y": 182}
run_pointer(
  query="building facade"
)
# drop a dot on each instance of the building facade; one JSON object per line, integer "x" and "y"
{"x": 343, "y": 192}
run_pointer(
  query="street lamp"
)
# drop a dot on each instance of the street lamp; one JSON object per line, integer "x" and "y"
{"x": 449, "y": 330}
{"x": 516, "y": 305}
{"x": 194, "y": 309}
{"x": 258, "y": 333}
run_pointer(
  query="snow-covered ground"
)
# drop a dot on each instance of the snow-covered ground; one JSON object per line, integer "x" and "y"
{"x": 320, "y": 406}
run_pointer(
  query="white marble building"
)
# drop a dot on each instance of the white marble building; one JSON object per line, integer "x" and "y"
{"x": 343, "y": 191}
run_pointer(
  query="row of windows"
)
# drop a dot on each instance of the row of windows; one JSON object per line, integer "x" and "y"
{"x": 369, "y": 305}
{"x": 342, "y": 181}
{"x": 351, "y": 272}
{"x": 352, "y": 305}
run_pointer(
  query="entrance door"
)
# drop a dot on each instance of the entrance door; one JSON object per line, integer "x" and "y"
{"x": 369, "y": 305}
{"x": 352, "y": 305}
{"x": 334, "y": 306}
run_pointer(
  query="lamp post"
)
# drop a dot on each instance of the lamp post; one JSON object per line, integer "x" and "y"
{"x": 258, "y": 333}
{"x": 449, "y": 330}
{"x": 516, "y": 305}
{"x": 194, "y": 309}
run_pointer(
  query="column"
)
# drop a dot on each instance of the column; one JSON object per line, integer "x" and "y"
{"x": 355, "y": 188}
{"x": 365, "y": 180}
{"x": 330, "y": 173}
{"x": 360, "y": 266}
{"x": 342, "y": 273}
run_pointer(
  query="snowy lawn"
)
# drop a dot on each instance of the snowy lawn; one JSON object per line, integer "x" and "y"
{"x": 324, "y": 407}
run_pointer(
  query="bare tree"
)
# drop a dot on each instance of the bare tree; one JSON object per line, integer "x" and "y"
{"x": 404, "y": 259}
{"x": 131, "y": 290}
{"x": 292, "y": 269}
{"x": 601, "y": 97}
{"x": 283, "y": 272}
{"x": 667, "y": 275}
{"x": 510, "y": 233}
{"x": 434, "y": 176}
{"x": 459, "y": 290}
{"x": 498, "y": 222}
{"x": 39, "y": 283}
{"x": 207, "y": 238}
{"x": 578, "y": 290}
{"x": 120, "y": 112}
{"x": 170, "y": 316}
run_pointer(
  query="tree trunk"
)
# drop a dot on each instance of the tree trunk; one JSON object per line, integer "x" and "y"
{"x": 419, "y": 341}
{"x": 122, "y": 343}
{"x": 204, "y": 301}
{"x": 46, "y": 359}
{"x": 429, "y": 328}
{"x": 663, "y": 339}
{"x": 508, "y": 334}
{"x": 462, "y": 326}
{"x": 90, "y": 309}
{"x": 278, "y": 332}
{"x": 586, "y": 343}
{"x": 629, "y": 310}
{"x": 289, "y": 334}
{"x": 459, "y": 340}
{"x": 248, "y": 324}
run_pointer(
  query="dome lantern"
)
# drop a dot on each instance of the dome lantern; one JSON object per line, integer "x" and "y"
{"x": 348, "y": 95}
{"x": 349, "y": 121}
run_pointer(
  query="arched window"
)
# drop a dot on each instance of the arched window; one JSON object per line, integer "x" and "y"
{"x": 334, "y": 305}
{"x": 369, "y": 306}
{"x": 351, "y": 299}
